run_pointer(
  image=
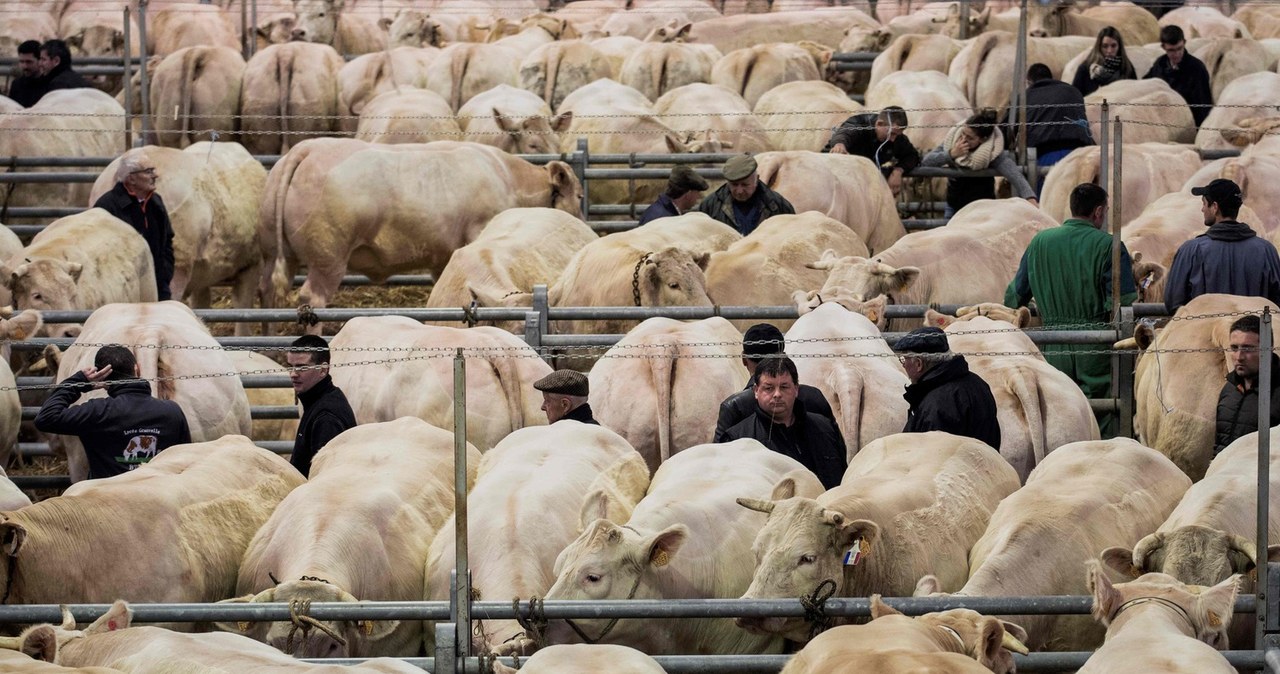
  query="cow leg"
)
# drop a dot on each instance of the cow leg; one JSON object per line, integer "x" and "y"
{"x": 178, "y": 284}
{"x": 321, "y": 285}
{"x": 242, "y": 294}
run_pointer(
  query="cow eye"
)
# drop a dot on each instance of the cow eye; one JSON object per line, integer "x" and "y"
{"x": 37, "y": 297}
{"x": 593, "y": 578}
{"x": 808, "y": 559}
{"x": 673, "y": 286}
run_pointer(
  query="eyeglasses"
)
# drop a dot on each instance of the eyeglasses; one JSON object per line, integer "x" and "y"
{"x": 148, "y": 171}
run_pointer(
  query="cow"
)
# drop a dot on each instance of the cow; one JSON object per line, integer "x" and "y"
{"x": 407, "y": 115}
{"x": 1059, "y": 18}
{"x": 512, "y": 120}
{"x": 203, "y": 85}
{"x": 1040, "y": 536}
{"x": 463, "y": 70}
{"x": 364, "y": 77}
{"x": 801, "y": 115}
{"x": 94, "y": 33}
{"x": 1173, "y": 413}
{"x": 1250, "y": 96}
{"x": 200, "y": 503}
{"x": 518, "y": 249}
{"x": 1204, "y": 21}
{"x": 499, "y": 384}
{"x": 914, "y": 53}
{"x": 82, "y": 261}
{"x": 941, "y": 104}
{"x": 766, "y": 267}
{"x": 16, "y": 328}
{"x": 384, "y": 487}
{"x": 1256, "y": 171}
{"x": 416, "y": 28}
{"x": 660, "y": 263}
{"x": 752, "y": 71}
{"x": 662, "y": 383}
{"x": 1261, "y": 20}
{"x": 289, "y": 94}
{"x": 349, "y": 32}
{"x": 1210, "y": 534}
{"x": 1170, "y": 627}
{"x": 841, "y": 353}
{"x": 654, "y": 68}
{"x": 685, "y": 540}
{"x": 1149, "y": 171}
{"x": 1228, "y": 59}
{"x": 568, "y": 475}
{"x": 823, "y": 26}
{"x": 26, "y": 22}
{"x": 1250, "y": 131}
{"x": 875, "y": 532}
{"x": 555, "y": 69}
{"x": 177, "y": 353}
{"x": 981, "y": 68}
{"x": 329, "y": 205}
{"x": 970, "y": 261}
{"x": 1150, "y": 110}
{"x": 615, "y": 49}
{"x": 846, "y": 188}
{"x": 113, "y": 641}
{"x": 585, "y": 659}
{"x": 212, "y": 192}
{"x": 64, "y": 123}
{"x": 713, "y": 110}
{"x": 187, "y": 25}
{"x": 957, "y": 641}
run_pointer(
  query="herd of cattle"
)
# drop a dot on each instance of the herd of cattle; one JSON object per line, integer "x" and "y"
{"x": 445, "y": 97}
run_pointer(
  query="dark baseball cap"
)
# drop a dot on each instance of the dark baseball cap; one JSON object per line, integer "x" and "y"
{"x": 1220, "y": 191}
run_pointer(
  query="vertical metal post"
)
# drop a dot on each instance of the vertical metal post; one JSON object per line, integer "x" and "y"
{"x": 142, "y": 49}
{"x": 128, "y": 82}
{"x": 1104, "y": 154}
{"x": 541, "y": 304}
{"x": 253, "y": 29}
{"x": 964, "y": 20}
{"x": 1125, "y": 389}
{"x": 1117, "y": 223}
{"x": 1019, "y": 83}
{"x": 446, "y": 656}
{"x": 1264, "y": 468}
{"x": 462, "y": 567}
{"x": 583, "y": 157}
{"x": 246, "y": 34}
{"x": 533, "y": 334}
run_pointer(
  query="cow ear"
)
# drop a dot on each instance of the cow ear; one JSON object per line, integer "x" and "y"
{"x": 40, "y": 643}
{"x": 12, "y": 536}
{"x": 663, "y": 546}
{"x": 376, "y": 630}
{"x": 117, "y": 39}
{"x": 1215, "y": 607}
{"x": 481, "y": 297}
{"x": 560, "y": 123}
{"x": 785, "y": 489}
{"x": 879, "y": 609}
{"x": 675, "y": 144}
{"x": 702, "y": 260}
{"x": 866, "y": 531}
{"x": 926, "y": 586}
{"x": 118, "y": 617}
{"x": 904, "y": 277}
{"x": 385, "y": 23}
{"x": 1144, "y": 335}
{"x": 826, "y": 261}
{"x": 874, "y": 310}
{"x": 75, "y": 40}
{"x": 1022, "y": 317}
{"x": 245, "y": 626}
{"x": 595, "y": 506}
{"x": 1121, "y": 561}
{"x": 937, "y": 319}
{"x": 74, "y": 269}
{"x": 1106, "y": 599}
{"x": 505, "y": 123}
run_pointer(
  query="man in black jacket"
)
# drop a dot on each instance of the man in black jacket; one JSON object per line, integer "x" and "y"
{"x": 134, "y": 200}
{"x": 122, "y": 431}
{"x": 1238, "y": 401}
{"x": 944, "y": 395}
{"x": 1056, "y": 119}
{"x": 325, "y": 410}
{"x": 1183, "y": 72}
{"x": 55, "y": 64}
{"x": 28, "y": 86}
{"x": 564, "y": 396}
{"x": 761, "y": 341}
{"x": 880, "y": 137}
{"x": 781, "y": 423}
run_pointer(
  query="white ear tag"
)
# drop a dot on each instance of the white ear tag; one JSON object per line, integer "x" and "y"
{"x": 854, "y": 553}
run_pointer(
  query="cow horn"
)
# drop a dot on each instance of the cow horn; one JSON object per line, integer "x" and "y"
{"x": 757, "y": 505}
{"x": 68, "y": 620}
{"x": 1011, "y": 643}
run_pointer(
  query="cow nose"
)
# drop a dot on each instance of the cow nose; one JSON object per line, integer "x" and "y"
{"x": 1039, "y": 33}
{"x": 298, "y": 34}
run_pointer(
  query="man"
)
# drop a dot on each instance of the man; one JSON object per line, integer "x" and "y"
{"x": 781, "y": 423}
{"x": 27, "y": 87}
{"x": 1238, "y": 401}
{"x": 761, "y": 341}
{"x": 742, "y": 202}
{"x": 1230, "y": 258}
{"x": 1067, "y": 270}
{"x": 134, "y": 200}
{"x": 880, "y": 137}
{"x": 55, "y": 67}
{"x": 122, "y": 431}
{"x": 564, "y": 396}
{"x": 1056, "y": 119}
{"x": 1183, "y": 72}
{"x": 325, "y": 410}
{"x": 684, "y": 190}
{"x": 943, "y": 394}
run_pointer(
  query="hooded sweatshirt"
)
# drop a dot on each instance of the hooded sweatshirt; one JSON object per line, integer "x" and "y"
{"x": 1231, "y": 259}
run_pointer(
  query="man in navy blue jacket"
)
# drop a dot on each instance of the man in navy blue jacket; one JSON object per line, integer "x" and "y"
{"x": 122, "y": 431}
{"x": 684, "y": 190}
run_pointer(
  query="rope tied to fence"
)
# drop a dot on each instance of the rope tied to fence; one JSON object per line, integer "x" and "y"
{"x": 815, "y": 612}
{"x": 298, "y": 615}
{"x": 469, "y": 314}
{"x": 535, "y": 623}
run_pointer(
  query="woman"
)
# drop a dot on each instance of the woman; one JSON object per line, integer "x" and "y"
{"x": 976, "y": 144}
{"x": 1107, "y": 63}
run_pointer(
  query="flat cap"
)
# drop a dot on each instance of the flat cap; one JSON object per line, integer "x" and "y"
{"x": 685, "y": 178}
{"x": 923, "y": 340}
{"x": 564, "y": 382}
{"x": 760, "y": 340}
{"x": 739, "y": 167}
{"x": 1220, "y": 190}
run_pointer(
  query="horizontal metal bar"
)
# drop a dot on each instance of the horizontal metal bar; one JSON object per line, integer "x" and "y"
{"x": 9, "y": 61}
{"x": 41, "y": 482}
{"x": 246, "y": 380}
{"x": 44, "y": 177}
{"x": 1104, "y": 404}
{"x": 255, "y": 411}
{"x": 327, "y": 314}
{"x": 59, "y": 162}
{"x": 850, "y": 66}
{"x": 921, "y": 224}
{"x": 611, "y": 226}
{"x": 854, "y": 56}
{"x": 29, "y": 449}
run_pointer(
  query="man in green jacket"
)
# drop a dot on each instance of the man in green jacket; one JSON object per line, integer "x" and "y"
{"x": 1067, "y": 270}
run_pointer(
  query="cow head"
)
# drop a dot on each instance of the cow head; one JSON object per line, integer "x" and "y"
{"x": 611, "y": 562}
{"x": 673, "y": 277}
{"x": 951, "y": 23}
{"x": 46, "y": 284}
{"x": 566, "y": 191}
{"x": 801, "y": 546}
{"x": 988, "y": 640}
{"x": 317, "y": 20}
{"x": 1249, "y": 131}
{"x": 864, "y": 38}
{"x": 97, "y": 41}
{"x": 707, "y": 142}
{"x": 865, "y": 278}
{"x": 674, "y": 31}
{"x": 412, "y": 28}
{"x": 1148, "y": 275}
{"x": 44, "y": 642}
{"x": 536, "y": 134}
{"x": 1020, "y": 317}
{"x": 1193, "y": 554}
{"x": 1049, "y": 19}
{"x": 307, "y": 637}
{"x": 275, "y": 29}
{"x": 497, "y": 29}
{"x": 1208, "y": 608}
{"x": 557, "y": 28}
{"x": 873, "y": 309}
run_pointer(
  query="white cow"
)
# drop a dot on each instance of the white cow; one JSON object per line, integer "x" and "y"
{"x": 1149, "y": 171}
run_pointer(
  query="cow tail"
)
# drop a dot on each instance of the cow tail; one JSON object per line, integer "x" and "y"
{"x": 190, "y": 63}
{"x": 986, "y": 43}
{"x": 284, "y": 76}
{"x": 280, "y": 277}
{"x": 849, "y": 401}
{"x": 458, "y": 72}
{"x": 153, "y": 367}
{"x": 662, "y": 365}
{"x": 504, "y": 366}
{"x": 1026, "y": 388}
{"x": 552, "y": 75}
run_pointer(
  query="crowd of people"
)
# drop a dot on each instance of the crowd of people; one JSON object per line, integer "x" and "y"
{"x": 43, "y": 68}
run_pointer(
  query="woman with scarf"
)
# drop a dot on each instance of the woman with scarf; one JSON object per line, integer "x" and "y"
{"x": 976, "y": 144}
{"x": 1107, "y": 63}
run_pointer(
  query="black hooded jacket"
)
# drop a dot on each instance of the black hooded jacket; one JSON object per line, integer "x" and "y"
{"x": 952, "y": 399}
{"x": 63, "y": 77}
{"x": 812, "y": 440}
{"x": 325, "y": 414}
{"x": 1238, "y": 407}
{"x": 151, "y": 220}
{"x": 120, "y": 432}
{"x": 858, "y": 136}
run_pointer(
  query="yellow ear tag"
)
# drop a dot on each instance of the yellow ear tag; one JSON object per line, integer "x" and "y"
{"x": 661, "y": 559}
{"x": 1214, "y": 620}
{"x": 367, "y": 626}
{"x": 243, "y": 625}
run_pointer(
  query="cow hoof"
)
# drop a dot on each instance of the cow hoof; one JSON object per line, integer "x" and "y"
{"x": 307, "y": 316}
